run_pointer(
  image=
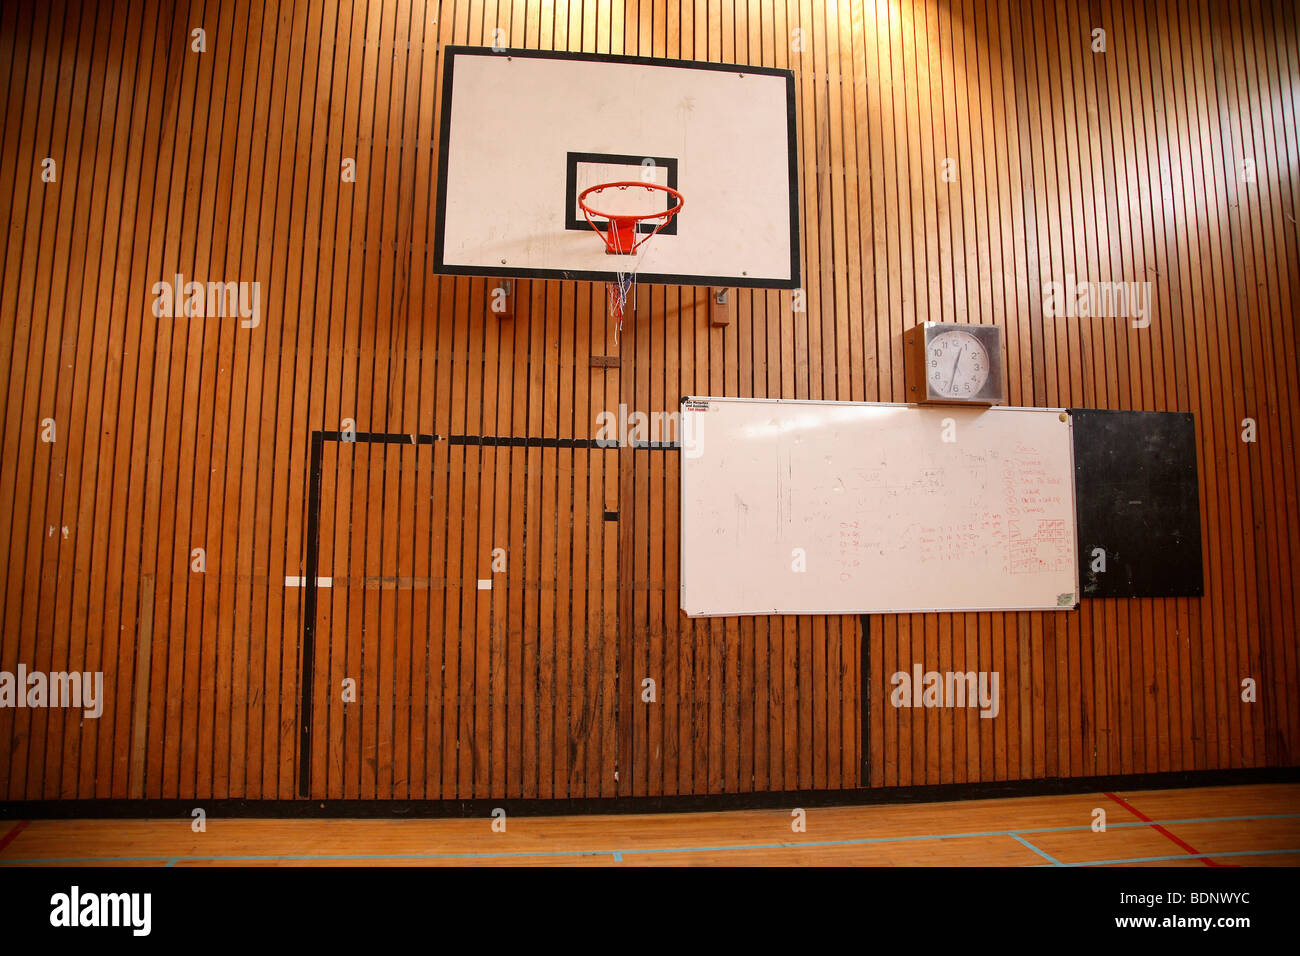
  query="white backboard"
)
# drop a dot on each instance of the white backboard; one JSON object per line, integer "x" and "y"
{"x": 525, "y": 131}
{"x": 883, "y": 512}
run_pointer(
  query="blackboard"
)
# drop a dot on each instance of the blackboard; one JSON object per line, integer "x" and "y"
{"x": 1136, "y": 499}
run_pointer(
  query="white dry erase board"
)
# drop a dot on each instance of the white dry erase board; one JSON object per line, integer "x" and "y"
{"x": 887, "y": 508}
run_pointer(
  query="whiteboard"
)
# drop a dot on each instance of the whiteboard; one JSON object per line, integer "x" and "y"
{"x": 889, "y": 508}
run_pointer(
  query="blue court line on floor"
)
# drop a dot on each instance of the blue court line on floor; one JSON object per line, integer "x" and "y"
{"x": 1181, "y": 856}
{"x": 865, "y": 841}
{"x": 1044, "y": 854}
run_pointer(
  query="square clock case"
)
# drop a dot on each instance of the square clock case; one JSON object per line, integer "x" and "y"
{"x": 954, "y": 363}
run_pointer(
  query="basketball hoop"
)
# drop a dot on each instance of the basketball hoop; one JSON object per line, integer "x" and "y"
{"x": 620, "y": 237}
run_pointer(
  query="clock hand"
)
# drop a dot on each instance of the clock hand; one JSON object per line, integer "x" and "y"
{"x": 954, "y": 368}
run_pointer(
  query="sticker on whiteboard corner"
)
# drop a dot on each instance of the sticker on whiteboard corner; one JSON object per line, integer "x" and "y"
{"x": 695, "y": 405}
{"x": 1065, "y": 600}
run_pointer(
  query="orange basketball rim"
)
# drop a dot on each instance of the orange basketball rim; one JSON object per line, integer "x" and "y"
{"x": 620, "y": 238}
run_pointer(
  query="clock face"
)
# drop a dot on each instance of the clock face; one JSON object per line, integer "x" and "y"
{"x": 956, "y": 365}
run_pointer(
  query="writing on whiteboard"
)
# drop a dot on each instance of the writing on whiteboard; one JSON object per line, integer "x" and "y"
{"x": 1036, "y": 542}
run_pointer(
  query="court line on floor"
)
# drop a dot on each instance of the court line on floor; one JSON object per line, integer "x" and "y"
{"x": 1191, "y": 850}
{"x": 1043, "y": 853}
{"x": 864, "y": 841}
{"x": 13, "y": 832}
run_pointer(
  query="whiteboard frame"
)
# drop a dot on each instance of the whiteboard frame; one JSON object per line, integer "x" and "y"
{"x": 681, "y": 557}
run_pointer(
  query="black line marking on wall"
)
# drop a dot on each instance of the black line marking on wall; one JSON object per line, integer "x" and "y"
{"x": 318, "y": 439}
{"x": 864, "y": 656}
{"x": 305, "y": 675}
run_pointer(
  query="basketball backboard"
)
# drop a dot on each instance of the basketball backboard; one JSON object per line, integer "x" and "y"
{"x": 524, "y": 132}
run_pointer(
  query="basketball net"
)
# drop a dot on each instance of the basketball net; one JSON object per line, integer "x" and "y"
{"x": 620, "y": 238}
{"x": 625, "y": 282}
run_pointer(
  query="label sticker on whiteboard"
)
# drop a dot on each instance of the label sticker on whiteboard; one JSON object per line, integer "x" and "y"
{"x": 1065, "y": 600}
{"x": 694, "y": 405}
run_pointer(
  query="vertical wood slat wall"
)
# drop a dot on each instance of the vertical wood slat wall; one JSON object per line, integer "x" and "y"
{"x": 174, "y": 434}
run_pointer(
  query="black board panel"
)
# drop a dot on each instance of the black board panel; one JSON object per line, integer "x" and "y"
{"x": 1135, "y": 488}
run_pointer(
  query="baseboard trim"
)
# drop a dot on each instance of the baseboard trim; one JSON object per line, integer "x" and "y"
{"x": 143, "y": 809}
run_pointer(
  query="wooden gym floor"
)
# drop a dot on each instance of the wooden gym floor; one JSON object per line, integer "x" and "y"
{"x": 1213, "y": 826}
{"x": 1251, "y": 825}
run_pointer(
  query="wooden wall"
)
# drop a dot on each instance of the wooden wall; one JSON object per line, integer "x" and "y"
{"x": 181, "y": 433}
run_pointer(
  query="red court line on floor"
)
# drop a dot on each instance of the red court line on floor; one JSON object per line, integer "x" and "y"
{"x": 9, "y": 837}
{"x": 1159, "y": 829}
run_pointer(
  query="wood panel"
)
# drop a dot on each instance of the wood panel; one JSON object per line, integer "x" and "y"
{"x": 955, "y": 158}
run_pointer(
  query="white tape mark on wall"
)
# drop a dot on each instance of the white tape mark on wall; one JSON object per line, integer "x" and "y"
{"x": 485, "y": 584}
{"x": 297, "y": 582}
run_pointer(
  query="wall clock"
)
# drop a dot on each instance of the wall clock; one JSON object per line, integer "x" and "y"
{"x": 955, "y": 363}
